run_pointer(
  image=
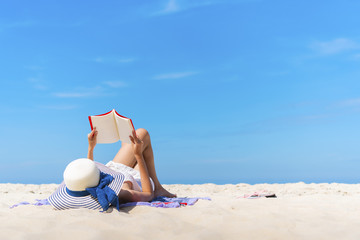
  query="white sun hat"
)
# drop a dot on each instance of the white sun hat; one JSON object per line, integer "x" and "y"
{"x": 82, "y": 180}
{"x": 81, "y": 174}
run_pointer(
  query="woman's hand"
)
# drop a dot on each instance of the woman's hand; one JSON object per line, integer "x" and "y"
{"x": 137, "y": 144}
{"x": 92, "y": 138}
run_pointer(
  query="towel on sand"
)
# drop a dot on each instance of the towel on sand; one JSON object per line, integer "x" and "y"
{"x": 39, "y": 202}
{"x": 163, "y": 202}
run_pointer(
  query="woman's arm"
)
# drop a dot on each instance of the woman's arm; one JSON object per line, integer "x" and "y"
{"x": 128, "y": 195}
{"x": 92, "y": 143}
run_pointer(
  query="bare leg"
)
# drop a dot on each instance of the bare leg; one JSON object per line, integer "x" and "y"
{"x": 126, "y": 157}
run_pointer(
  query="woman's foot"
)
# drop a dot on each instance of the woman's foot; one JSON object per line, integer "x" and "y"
{"x": 160, "y": 191}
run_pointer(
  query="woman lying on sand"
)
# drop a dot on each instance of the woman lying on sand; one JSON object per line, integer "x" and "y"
{"x": 129, "y": 177}
{"x": 136, "y": 162}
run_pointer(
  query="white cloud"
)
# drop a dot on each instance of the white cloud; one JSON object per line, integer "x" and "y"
{"x": 356, "y": 56}
{"x": 59, "y": 107}
{"x": 73, "y": 94}
{"x": 98, "y": 59}
{"x": 174, "y": 75}
{"x": 115, "y": 84}
{"x": 98, "y": 91}
{"x": 113, "y": 60}
{"x": 33, "y": 67}
{"x": 5, "y": 26}
{"x": 81, "y": 93}
{"x": 173, "y": 6}
{"x": 335, "y": 46}
{"x": 126, "y": 60}
{"x": 37, "y": 83}
{"x": 350, "y": 102}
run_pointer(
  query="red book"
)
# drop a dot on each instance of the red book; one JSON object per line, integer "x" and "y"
{"x": 112, "y": 127}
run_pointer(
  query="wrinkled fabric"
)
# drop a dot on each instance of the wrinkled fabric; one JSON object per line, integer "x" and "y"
{"x": 165, "y": 202}
{"x": 39, "y": 202}
{"x": 105, "y": 195}
{"x": 159, "y": 202}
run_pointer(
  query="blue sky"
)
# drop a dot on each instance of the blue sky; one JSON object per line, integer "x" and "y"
{"x": 230, "y": 91}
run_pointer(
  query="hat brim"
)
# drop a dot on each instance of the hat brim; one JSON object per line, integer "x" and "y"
{"x": 61, "y": 200}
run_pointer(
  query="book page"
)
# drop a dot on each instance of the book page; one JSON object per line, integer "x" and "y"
{"x": 124, "y": 126}
{"x": 105, "y": 125}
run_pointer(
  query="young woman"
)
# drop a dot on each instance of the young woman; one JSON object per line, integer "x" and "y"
{"x": 136, "y": 162}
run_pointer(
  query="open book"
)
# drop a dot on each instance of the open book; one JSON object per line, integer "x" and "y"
{"x": 112, "y": 127}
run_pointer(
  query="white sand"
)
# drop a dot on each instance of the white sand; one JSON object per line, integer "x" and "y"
{"x": 301, "y": 211}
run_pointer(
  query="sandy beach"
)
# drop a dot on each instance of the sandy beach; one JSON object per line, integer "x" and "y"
{"x": 300, "y": 211}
